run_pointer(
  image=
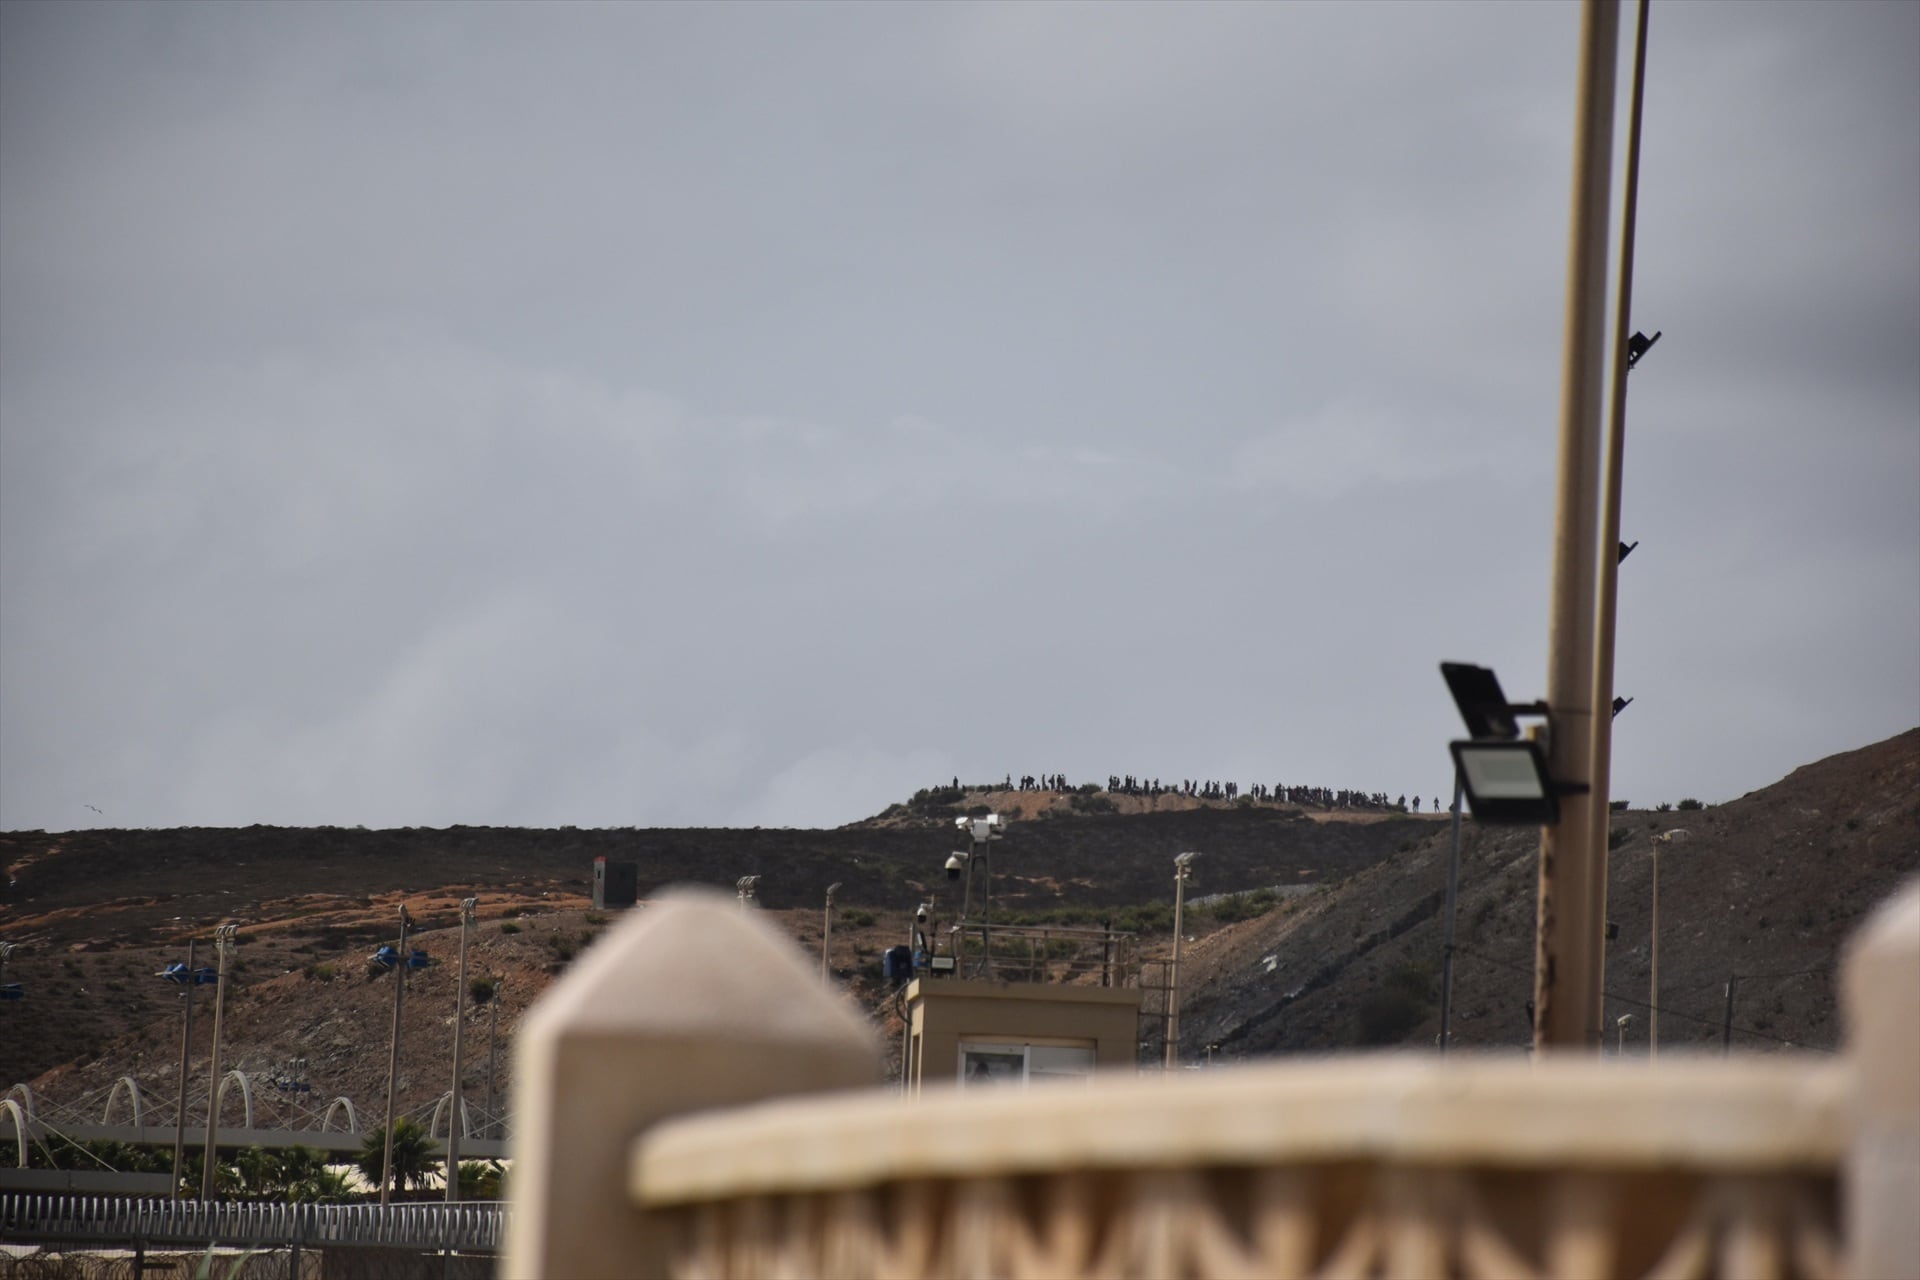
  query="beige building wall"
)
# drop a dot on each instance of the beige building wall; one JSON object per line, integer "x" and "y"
{"x": 944, "y": 1012}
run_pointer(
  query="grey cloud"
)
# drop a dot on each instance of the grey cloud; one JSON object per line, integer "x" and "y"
{"x": 700, "y": 413}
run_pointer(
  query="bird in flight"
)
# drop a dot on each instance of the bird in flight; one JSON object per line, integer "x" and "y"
{"x": 97, "y": 809}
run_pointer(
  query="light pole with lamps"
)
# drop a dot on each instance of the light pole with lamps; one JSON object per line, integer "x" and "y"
{"x": 826, "y": 935}
{"x": 982, "y": 832}
{"x": 393, "y": 1057}
{"x": 743, "y": 888}
{"x": 223, "y": 943}
{"x": 1182, "y": 871}
{"x": 468, "y": 908}
{"x": 1620, "y": 1045}
{"x": 190, "y": 978}
{"x": 1653, "y": 951}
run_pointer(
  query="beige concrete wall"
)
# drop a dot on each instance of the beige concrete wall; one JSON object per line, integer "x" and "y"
{"x": 943, "y": 1012}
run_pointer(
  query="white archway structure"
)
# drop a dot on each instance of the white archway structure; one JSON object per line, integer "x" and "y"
{"x": 133, "y": 1100}
{"x": 441, "y": 1108}
{"x": 353, "y": 1121}
{"x": 20, "y": 1118}
{"x": 246, "y": 1095}
{"x": 26, "y": 1099}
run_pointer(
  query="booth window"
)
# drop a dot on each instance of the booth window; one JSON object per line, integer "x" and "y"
{"x": 985, "y": 1064}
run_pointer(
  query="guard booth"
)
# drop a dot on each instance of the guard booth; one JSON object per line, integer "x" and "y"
{"x": 1024, "y": 1006}
{"x": 615, "y": 884}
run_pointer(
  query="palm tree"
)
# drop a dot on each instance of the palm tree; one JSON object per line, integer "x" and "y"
{"x": 414, "y": 1160}
{"x": 480, "y": 1179}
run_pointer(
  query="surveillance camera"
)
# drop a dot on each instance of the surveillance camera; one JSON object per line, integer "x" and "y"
{"x": 921, "y": 915}
{"x": 955, "y": 864}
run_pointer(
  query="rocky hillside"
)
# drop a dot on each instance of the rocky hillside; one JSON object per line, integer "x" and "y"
{"x": 1763, "y": 891}
{"x": 97, "y": 913}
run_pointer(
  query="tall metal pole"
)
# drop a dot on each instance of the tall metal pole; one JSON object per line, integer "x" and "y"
{"x": 1564, "y": 988}
{"x": 826, "y": 937}
{"x": 393, "y": 1060}
{"x": 1653, "y": 978}
{"x": 1182, "y": 868}
{"x": 1604, "y": 624}
{"x": 983, "y": 849}
{"x": 223, "y": 945}
{"x": 467, "y": 907}
{"x": 1726, "y": 1025}
{"x": 1453, "y": 897}
{"x": 186, "y": 1047}
{"x": 493, "y": 1026}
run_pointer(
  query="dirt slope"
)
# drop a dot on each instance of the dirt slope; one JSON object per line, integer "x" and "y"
{"x": 1765, "y": 888}
{"x": 99, "y": 912}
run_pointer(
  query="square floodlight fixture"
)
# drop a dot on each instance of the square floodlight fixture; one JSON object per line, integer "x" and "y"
{"x": 1483, "y": 705}
{"x": 980, "y": 830}
{"x": 1638, "y": 345}
{"x": 1506, "y": 781}
{"x": 1621, "y": 704}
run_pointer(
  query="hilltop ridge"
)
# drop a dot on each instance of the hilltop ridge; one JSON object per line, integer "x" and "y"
{"x": 1767, "y": 889}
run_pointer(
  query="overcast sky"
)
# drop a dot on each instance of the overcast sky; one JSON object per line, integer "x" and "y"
{"x": 748, "y": 414}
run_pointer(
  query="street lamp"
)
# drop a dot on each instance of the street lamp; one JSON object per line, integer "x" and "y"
{"x": 1674, "y": 836}
{"x": 1620, "y": 1045}
{"x": 1182, "y": 871}
{"x": 189, "y": 977}
{"x": 743, "y": 888}
{"x": 982, "y": 832}
{"x": 223, "y": 943}
{"x": 393, "y": 1056}
{"x": 1504, "y": 775}
{"x": 468, "y": 909}
{"x": 826, "y": 934}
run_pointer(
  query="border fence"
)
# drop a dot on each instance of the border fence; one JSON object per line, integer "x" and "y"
{"x": 45, "y": 1237}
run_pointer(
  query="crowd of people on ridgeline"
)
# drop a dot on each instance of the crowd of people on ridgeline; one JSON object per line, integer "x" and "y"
{"x": 1206, "y": 789}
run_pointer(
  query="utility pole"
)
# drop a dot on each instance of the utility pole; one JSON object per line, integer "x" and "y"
{"x": 1726, "y": 1026}
{"x": 1653, "y": 961}
{"x": 1182, "y": 870}
{"x": 455, "y": 1112}
{"x": 826, "y": 936}
{"x": 1453, "y": 897}
{"x": 1609, "y": 559}
{"x": 393, "y": 1059}
{"x": 223, "y": 943}
{"x": 1564, "y": 986}
{"x": 186, "y": 1046}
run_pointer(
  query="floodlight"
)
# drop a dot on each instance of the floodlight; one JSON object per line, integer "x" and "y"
{"x": 1638, "y": 345}
{"x": 980, "y": 830}
{"x": 1621, "y": 704}
{"x": 1506, "y": 781}
{"x": 1626, "y": 549}
{"x": 1477, "y": 693}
